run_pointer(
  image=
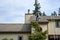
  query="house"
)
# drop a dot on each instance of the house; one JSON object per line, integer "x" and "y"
{"x": 21, "y": 31}
{"x": 14, "y": 31}
{"x": 49, "y": 23}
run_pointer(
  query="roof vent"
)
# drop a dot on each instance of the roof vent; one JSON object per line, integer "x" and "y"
{"x": 28, "y": 11}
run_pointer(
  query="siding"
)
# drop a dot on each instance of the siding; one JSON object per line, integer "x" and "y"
{"x": 52, "y": 29}
{"x": 14, "y": 36}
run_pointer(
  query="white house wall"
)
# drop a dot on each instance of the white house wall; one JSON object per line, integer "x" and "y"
{"x": 14, "y": 36}
{"x": 44, "y": 27}
{"x": 52, "y": 29}
{"x": 28, "y": 18}
{"x": 51, "y": 26}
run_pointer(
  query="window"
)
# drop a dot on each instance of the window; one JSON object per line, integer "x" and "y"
{"x": 57, "y": 23}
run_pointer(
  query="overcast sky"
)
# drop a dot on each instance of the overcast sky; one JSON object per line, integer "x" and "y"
{"x": 13, "y": 11}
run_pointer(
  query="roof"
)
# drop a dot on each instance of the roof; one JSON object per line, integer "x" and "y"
{"x": 45, "y": 18}
{"x": 50, "y": 17}
{"x": 15, "y": 28}
{"x": 28, "y": 14}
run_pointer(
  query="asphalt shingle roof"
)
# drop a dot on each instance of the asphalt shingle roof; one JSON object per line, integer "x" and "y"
{"x": 15, "y": 28}
{"x": 45, "y": 18}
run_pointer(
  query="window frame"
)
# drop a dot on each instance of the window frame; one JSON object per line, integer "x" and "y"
{"x": 57, "y": 23}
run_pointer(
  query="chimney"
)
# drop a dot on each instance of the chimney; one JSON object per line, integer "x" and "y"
{"x": 28, "y": 11}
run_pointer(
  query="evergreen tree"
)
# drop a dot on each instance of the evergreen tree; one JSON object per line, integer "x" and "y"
{"x": 36, "y": 11}
{"x": 59, "y": 12}
{"x": 44, "y": 14}
{"x": 38, "y": 34}
{"x": 54, "y": 14}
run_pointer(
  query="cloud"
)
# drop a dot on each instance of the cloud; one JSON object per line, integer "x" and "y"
{"x": 49, "y": 5}
{"x": 13, "y": 11}
{"x": 10, "y": 12}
